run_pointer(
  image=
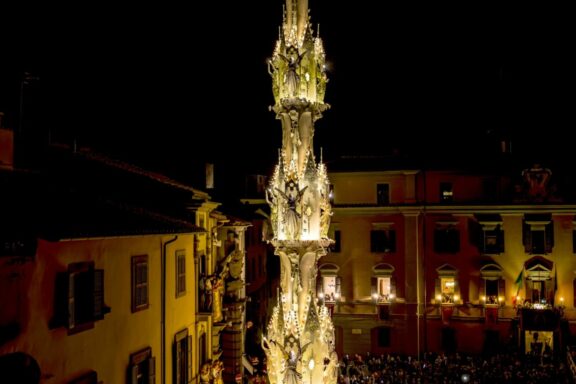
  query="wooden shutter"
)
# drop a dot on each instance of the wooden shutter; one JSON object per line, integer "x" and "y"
{"x": 392, "y": 240}
{"x": 476, "y": 234}
{"x": 373, "y": 286}
{"x": 176, "y": 354}
{"x": 71, "y": 300}
{"x": 152, "y": 370}
{"x": 98, "y": 294}
{"x": 189, "y": 359}
{"x": 500, "y": 238}
{"x": 338, "y": 285}
{"x": 549, "y": 237}
{"x": 527, "y": 237}
{"x": 134, "y": 374}
{"x": 481, "y": 289}
{"x": 457, "y": 289}
{"x": 393, "y": 286}
{"x": 574, "y": 292}
{"x": 502, "y": 288}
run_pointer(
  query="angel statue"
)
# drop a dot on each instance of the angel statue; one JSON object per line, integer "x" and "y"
{"x": 291, "y": 217}
{"x": 291, "y": 78}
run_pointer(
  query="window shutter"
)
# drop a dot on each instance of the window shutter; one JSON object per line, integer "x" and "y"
{"x": 134, "y": 374}
{"x": 481, "y": 289}
{"x": 98, "y": 293}
{"x": 437, "y": 288}
{"x": 502, "y": 288}
{"x": 152, "y": 370}
{"x": 527, "y": 237}
{"x": 176, "y": 354}
{"x": 393, "y": 285}
{"x": 71, "y": 300}
{"x": 457, "y": 289}
{"x": 338, "y": 285}
{"x": 189, "y": 359}
{"x": 549, "y": 237}
{"x": 476, "y": 234}
{"x": 574, "y": 292}
{"x": 500, "y": 238}
{"x": 373, "y": 286}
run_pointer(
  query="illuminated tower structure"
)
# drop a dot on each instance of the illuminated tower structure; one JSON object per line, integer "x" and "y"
{"x": 299, "y": 344}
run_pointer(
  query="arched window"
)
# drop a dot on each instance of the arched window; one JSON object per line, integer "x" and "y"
{"x": 492, "y": 286}
{"x": 328, "y": 283}
{"x": 447, "y": 289}
{"x": 383, "y": 283}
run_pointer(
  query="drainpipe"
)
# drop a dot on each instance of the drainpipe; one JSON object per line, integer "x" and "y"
{"x": 163, "y": 305}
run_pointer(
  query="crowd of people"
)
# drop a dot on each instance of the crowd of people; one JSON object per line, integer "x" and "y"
{"x": 435, "y": 368}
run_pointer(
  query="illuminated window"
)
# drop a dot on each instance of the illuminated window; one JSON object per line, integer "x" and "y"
{"x": 447, "y": 290}
{"x": 383, "y": 286}
{"x": 331, "y": 288}
{"x": 328, "y": 283}
{"x": 447, "y": 285}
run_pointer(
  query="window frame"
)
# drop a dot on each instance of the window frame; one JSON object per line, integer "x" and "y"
{"x": 180, "y": 260}
{"x": 136, "y": 262}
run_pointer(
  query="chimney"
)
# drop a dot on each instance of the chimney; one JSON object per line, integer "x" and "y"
{"x": 6, "y": 146}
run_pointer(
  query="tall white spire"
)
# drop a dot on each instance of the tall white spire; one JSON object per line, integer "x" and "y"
{"x": 299, "y": 343}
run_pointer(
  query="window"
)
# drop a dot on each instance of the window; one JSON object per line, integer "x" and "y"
{"x": 383, "y": 240}
{"x": 492, "y": 285}
{"x": 383, "y": 284}
{"x": 494, "y": 240}
{"x": 336, "y": 246}
{"x": 383, "y": 290}
{"x": 383, "y": 194}
{"x": 142, "y": 368}
{"x": 80, "y": 298}
{"x": 447, "y": 286}
{"x": 384, "y": 337}
{"x": 139, "y": 283}
{"x": 182, "y": 357}
{"x": 330, "y": 288}
{"x": 446, "y": 192}
{"x": 180, "y": 273}
{"x": 446, "y": 239}
{"x": 328, "y": 283}
{"x": 447, "y": 289}
{"x": 538, "y": 234}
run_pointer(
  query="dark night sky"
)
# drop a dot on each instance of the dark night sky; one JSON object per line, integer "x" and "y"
{"x": 147, "y": 83}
